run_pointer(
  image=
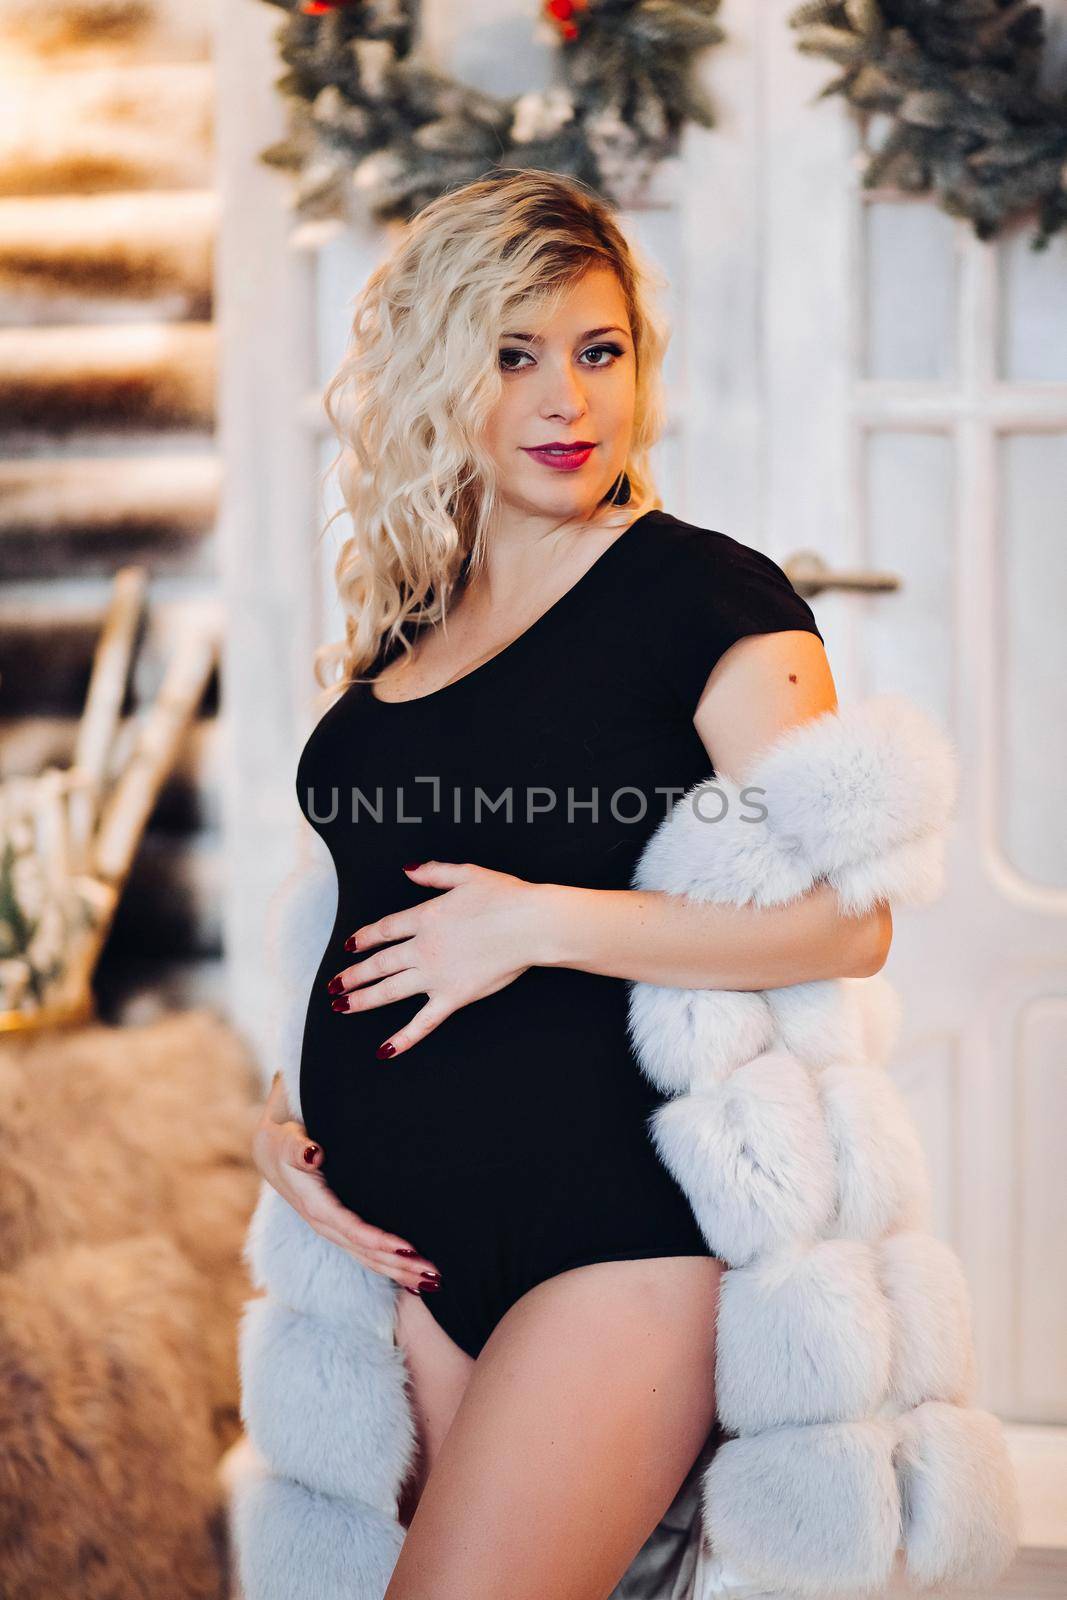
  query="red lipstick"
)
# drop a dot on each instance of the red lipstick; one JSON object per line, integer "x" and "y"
{"x": 563, "y": 455}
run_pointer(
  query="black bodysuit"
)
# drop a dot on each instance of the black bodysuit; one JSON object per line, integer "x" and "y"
{"x": 512, "y": 1143}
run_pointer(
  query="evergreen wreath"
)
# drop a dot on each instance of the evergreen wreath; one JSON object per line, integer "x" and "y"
{"x": 367, "y": 111}
{"x": 959, "y": 81}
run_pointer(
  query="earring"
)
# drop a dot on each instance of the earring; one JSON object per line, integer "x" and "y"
{"x": 619, "y": 493}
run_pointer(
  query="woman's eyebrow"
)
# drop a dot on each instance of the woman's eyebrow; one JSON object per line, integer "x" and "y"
{"x": 591, "y": 333}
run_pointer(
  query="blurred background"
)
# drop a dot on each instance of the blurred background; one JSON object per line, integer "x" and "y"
{"x": 867, "y": 380}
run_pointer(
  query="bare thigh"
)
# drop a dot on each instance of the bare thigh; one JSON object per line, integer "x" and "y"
{"x": 580, "y": 1419}
{"x": 438, "y": 1372}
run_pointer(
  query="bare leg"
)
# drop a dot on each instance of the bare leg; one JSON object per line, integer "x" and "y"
{"x": 584, "y": 1412}
{"x": 439, "y": 1371}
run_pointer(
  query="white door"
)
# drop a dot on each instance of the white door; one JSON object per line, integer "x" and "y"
{"x": 916, "y": 425}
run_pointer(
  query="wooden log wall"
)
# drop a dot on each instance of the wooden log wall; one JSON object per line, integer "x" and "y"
{"x": 107, "y": 423}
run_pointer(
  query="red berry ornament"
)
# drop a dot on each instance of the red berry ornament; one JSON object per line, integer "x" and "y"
{"x": 561, "y": 14}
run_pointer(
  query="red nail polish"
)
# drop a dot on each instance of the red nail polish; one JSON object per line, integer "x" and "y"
{"x": 405, "y": 1252}
{"x": 429, "y": 1288}
{"x": 335, "y": 985}
{"x": 350, "y": 943}
{"x": 385, "y": 1050}
{"x": 310, "y": 1152}
{"x": 339, "y": 1005}
{"x": 409, "y": 866}
{"x": 409, "y": 1289}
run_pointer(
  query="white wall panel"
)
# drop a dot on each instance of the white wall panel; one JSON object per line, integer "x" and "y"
{"x": 1040, "y": 1072}
{"x": 909, "y": 526}
{"x": 1029, "y": 649}
{"x": 1032, "y": 336}
{"x": 910, "y": 289}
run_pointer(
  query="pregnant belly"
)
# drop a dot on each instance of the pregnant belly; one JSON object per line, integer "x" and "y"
{"x": 532, "y": 1084}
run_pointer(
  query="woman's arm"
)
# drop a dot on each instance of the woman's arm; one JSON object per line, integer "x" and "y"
{"x": 660, "y": 938}
{"x": 760, "y": 687}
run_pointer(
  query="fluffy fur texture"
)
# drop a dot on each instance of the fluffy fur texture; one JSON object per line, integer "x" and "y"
{"x": 126, "y": 1187}
{"x": 845, "y": 1363}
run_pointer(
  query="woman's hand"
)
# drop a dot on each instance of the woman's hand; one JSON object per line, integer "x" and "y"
{"x": 280, "y": 1150}
{"x": 455, "y": 948}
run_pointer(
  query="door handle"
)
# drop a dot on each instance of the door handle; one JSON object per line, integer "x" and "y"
{"x": 810, "y": 575}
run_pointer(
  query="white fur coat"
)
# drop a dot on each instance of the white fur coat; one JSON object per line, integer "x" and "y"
{"x": 848, "y": 1447}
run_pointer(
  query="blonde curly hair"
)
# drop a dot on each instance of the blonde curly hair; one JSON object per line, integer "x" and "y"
{"x": 420, "y": 376}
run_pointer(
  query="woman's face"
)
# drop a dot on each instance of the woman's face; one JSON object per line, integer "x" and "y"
{"x": 567, "y": 379}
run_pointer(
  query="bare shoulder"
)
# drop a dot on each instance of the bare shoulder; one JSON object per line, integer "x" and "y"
{"x": 762, "y": 685}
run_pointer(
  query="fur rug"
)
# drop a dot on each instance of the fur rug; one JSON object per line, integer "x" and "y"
{"x": 126, "y": 1188}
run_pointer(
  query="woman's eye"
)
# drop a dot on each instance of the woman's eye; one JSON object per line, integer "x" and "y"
{"x": 594, "y": 349}
{"x": 611, "y": 349}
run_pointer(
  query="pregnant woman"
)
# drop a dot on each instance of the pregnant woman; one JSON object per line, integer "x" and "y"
{"x": 539, "y": 660}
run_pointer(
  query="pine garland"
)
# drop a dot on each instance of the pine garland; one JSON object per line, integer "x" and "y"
{"x": 959, "y": 82}
{"x": 366, "y": 111}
